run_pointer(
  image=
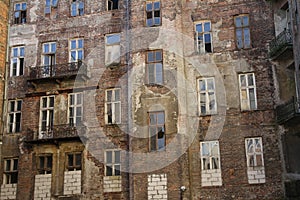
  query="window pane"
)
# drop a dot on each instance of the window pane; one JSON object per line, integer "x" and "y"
{"x": 113, "y": 39}
{"x": 247, "y": 37}
{"x": 149, "y": 6}
{"x": 117, "y": 170}
{"x": 210, "y": 84}
{"x": 243, "y": 80}
{"x": 250, "y": 80}
{"x": 15, "y": 52}
{"x": 8, "y": 165}
{"x": 156, "y": 5}
{"x": 80, "y": 43}
{"x": 150, "y": 57}
{"x": 202, "y": 85}
{"x": 158, "y": 56}
{"x": 238, "y": 22}
{"x": 53, "y": 47}
{"x": 245, "y": 21}
{"x": 49, "y": 162}
{"x": 22, "y": 51}
{"x": 18, "y": 6}
{"x": 152, "y": 119}
{"x": 109, "y": 157}
{"x": 23, "y": 6}
{"x": 15, "y": 167}
{"x": 206, "y": 26}
{"x": 161, "y": 139}
{"x": 252, "y": 98}
{"x": 117, "y": 157}
{"x": 199, "y": 28}
{"x": 153, "y": 143}
{"x": 79, "y": 96}
{"x": 205, "y": 149}
{"x": 109, "y": 95}
{"x": 42, "y": 162}
{"x": 159, "y": 73}
{"x": 47, "y": 3}
{"x": 51, "y": 102}
{"x": 73, "y": 44}
{"x": 78, "y": 159}
{"x": 151, "y": 76}
{"x": 160, "y": 118}
{"x": 239, "y": 38}
{"x": 108, "y": 171}
{"x": 207, "y": 38}
{"x": 46, "y": 48}
{"x": 117, "y": 95}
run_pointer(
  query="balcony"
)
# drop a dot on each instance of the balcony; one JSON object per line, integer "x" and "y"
{"x": 58, "y": 71}
{"x": 288, "y": 113}
{"x": 281, "y": 46}
{"x": 54, "y": 133}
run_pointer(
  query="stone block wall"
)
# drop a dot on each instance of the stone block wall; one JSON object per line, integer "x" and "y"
{"x": 256, "y": 175}
{"x": 8, "y": 191}
{"x": 42, "y": 187}
{"x": 211, "y": 177}
{"x": 112, "y": 183}
{"x": 157, "y": 186}
{"x": 72, "y": 182}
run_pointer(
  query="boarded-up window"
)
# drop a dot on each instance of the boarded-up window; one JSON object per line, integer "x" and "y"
{"x": 112, "y": 49}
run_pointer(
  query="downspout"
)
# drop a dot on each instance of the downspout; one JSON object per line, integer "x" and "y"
{"x": 129, "y": 110}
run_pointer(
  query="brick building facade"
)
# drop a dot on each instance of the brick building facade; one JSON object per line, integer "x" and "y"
{"x": 141, "y": 100}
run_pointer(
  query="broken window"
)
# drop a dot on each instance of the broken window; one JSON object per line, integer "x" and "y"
{"x": 210, "y": 155}
{"x": 112, "y": 106}
{"x": 112, "y": 49}
{"x": 242, "y": 31}
{"x": 49, "y": 5}
{"x": 17, "y": 61}
{"x": 154, "y": 66}
{"x": 247, "y": 91}
{"x": 204, "y": 37}
{"x": 153, "y": 15}
{"x": 74, "y": 161}
{"x": 14, "y": 116}
{"x": 46, "y": 116}
{"x": 112, "y": 4}
{"x": 77, "y": 8}
{"x": 49, "y": 60}
{"x": 10, "y": 171}
{"x": 45, "y": 164}
{"x": 157, "y": 131}
{"x": 20, "y": 13}
{"x": 254, "y": 152}
{"x": 76, "y": 50}
{"x": 75, "y": 108}
{"x": 207, "y": 96}
{"x": 113, "y": 163}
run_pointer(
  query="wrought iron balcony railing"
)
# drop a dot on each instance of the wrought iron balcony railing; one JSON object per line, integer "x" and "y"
{"x": 58, "y": 70}
{"x": 288, "y": 111}
{"x": 279, "y": 44}
{"x": 63, "y": 131}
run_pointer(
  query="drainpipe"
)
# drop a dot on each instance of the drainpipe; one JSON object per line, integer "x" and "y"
{"x": 129, "y": 110}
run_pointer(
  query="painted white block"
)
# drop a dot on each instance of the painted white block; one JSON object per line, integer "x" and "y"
{"x": 157, "y": 187}
{"x": 72, "y": 182}
{"x": 42, "y": 187}
{"x": 112, "y": 183}
{"x": 8, "y": 191}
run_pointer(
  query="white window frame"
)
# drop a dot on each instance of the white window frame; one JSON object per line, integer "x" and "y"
{"x": 113, "y": 164}
{"x": 246, "y": 88}
{"x": 77, "y": 104}
{"x": 210, "y": 156}
{"x": 242, "y": 43}
{"x": 79, "y": 10}
{"x": 154, "y": 129}
{"x": 12, "y": 125}
{"x": 112, "y": 49}
{"x": 7, "y": 173}
{"x": 49, "y": 4}
{"x": 152, "y": 11}
{"x": 257, "y": 152}
{"x": 21, "y": 19}
{"x": 79, "y": 47}
{"x": 49, "y": 119}
{"x": 50, "y": 56}
{"x": 157, "y": 64}
{"x": 201, "y": 39}
{"x": 207, "y": 91}
{"x": 115, "y": 104}
{"x": 17, "y": 55}
{"x": 112, "y": 3}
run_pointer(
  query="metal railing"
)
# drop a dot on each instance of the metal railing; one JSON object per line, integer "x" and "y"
{"x": 284, "y": 39}
{"x": 57, "y": 70}
{"x": 55, "y": 132}
{"x": 287, "y": 110}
